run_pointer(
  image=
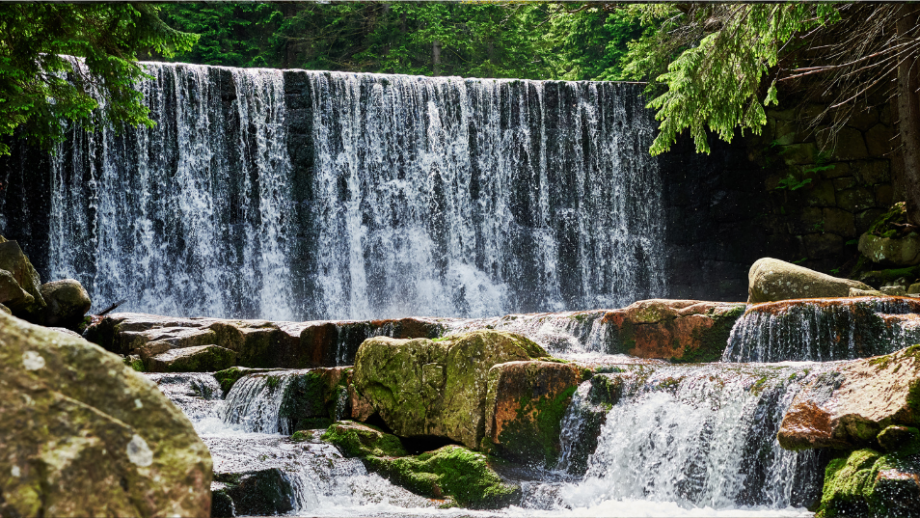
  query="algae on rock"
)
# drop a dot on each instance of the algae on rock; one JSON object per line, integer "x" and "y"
{"x": 85, "y": 435}
{"x": 452, "y": 472}
{"x": 438, "y": 388}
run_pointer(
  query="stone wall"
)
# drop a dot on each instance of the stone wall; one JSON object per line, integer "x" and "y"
{"x": 787, "y": 194}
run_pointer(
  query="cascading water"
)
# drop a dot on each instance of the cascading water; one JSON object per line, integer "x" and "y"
{"x": 823, "y": 330}
{"x": 293, "y": 195}
{"x": 698, "y": 436}
{"x": 242, "y": 434}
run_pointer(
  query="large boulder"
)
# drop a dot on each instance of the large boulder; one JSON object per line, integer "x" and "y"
{"x": 66, "y": 301}
{"x": 869, "y": 483}
{"x": 13, "y": 261}
{"x": 524, "y": 408}
{"x": 11, "y": 293}
{"x": 84, "y": 435}
{"x": 891, "y": 251}
{"x": 438, "y": 387}
{"x": 675, "y": 330}
{"x": 848, "y": 407}
{"x": 771, "y": 280}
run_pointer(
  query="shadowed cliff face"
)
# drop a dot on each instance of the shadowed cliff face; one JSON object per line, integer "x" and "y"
{"x": 299, "y": 194}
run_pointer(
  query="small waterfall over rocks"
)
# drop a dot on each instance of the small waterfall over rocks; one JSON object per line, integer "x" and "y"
{"x": 700, "y": 436}
{"x": 293, "y": 195}
{"x": 823, "y": 330}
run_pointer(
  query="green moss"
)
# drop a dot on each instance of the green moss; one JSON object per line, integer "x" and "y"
{"x": 534, "y": 433}
{"x": 272, "y": 382}
{"x": 450, "y": 472}
{"x": 301, "y": 436}
{"x": 362, "y": 440}
{"x": 853, "y": 487}
{"x": 84, "y": 324}
{"x": 136, "y": 364}
{"x": 228, "y": 377}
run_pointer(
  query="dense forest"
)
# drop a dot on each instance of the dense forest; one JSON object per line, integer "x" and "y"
{"x": 530, "y": 41}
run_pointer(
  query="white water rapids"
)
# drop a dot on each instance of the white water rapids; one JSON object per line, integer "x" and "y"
{"x": 682, "y": 441}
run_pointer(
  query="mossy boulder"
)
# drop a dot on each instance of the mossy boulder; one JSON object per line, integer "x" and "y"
{"x": 361, "y": 440}
{"x": 13, "y": 261}
{"x": 12, "y": 294}
{"x": 451, "y": 472}
{"x": 772, "y": 279}
{"x": 264, "y": 492}
{"x": 867, "y": 483}
{"x": 891, "y": 251}
{"x": 675, "y": 330}
{"x": 66, "y": 301}
{"x": 84, "y": 435}
{"x": 314, "y": 398}
{"x": 203, "y": 358}
{"x": 438, "y": 387}
{"x": 524, "y": 408}
{"x": 849, "y": 406}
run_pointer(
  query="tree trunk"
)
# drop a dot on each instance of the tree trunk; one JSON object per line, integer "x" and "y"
{"x": 909, "y": 116}
{"x": 436, "y": 56}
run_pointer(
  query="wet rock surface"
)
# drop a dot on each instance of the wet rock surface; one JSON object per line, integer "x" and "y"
{"x": 524, "y": 409}
{"x": 201, "y": 358}
{"x": 676, "y": 330}
{"x": 849, "y": 406}
{"x": 256, "y": 343}
{"x": 84, "y": 435}
{"x": 444, "y": 382}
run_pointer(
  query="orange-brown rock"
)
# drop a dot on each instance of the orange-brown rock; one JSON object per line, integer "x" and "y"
{"x": 525, "y": 404}
{"x": 849, "y": 406}
{"x": 676, "y": 330}
{"x": 806, "y": 426}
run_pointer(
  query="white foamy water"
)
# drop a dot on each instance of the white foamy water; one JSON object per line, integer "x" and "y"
{"x": 295, "y": 195}
{"x": 687, "y": 441}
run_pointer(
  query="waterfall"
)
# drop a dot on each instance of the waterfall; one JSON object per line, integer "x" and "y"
{"x": 698, "y": 436}
{"x": 823, "y": 330}
{"x": 294, "y": 195}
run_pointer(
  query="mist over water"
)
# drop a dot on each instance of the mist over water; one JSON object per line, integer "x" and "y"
{"x": 293, "y": 195}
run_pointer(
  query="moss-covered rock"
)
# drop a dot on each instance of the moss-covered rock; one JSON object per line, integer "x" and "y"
{"x": 772, "y": 279}
{"x": 315, "y": 398}
{"x": 866, "y": 483}
{"x": 13, "y": 261}
{"x": 436, "y": 388}
{"x": 675, "y": 330}
{"x": 84, "y": 435}
{"x": 451, "y": 472}
{"x": 265, "y": 492}
{"x": 204, "y": 358}
{"x": 850, "y": 406}
{"x": 66, "y": 301}
{"x": 524, "y": 408}
{"x": 361, "y": 440}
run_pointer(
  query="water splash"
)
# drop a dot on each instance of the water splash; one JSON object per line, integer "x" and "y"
{"x": 294, "y": 195}
{"x": 699, "y": 436}
{"x": 823, "y": 330}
